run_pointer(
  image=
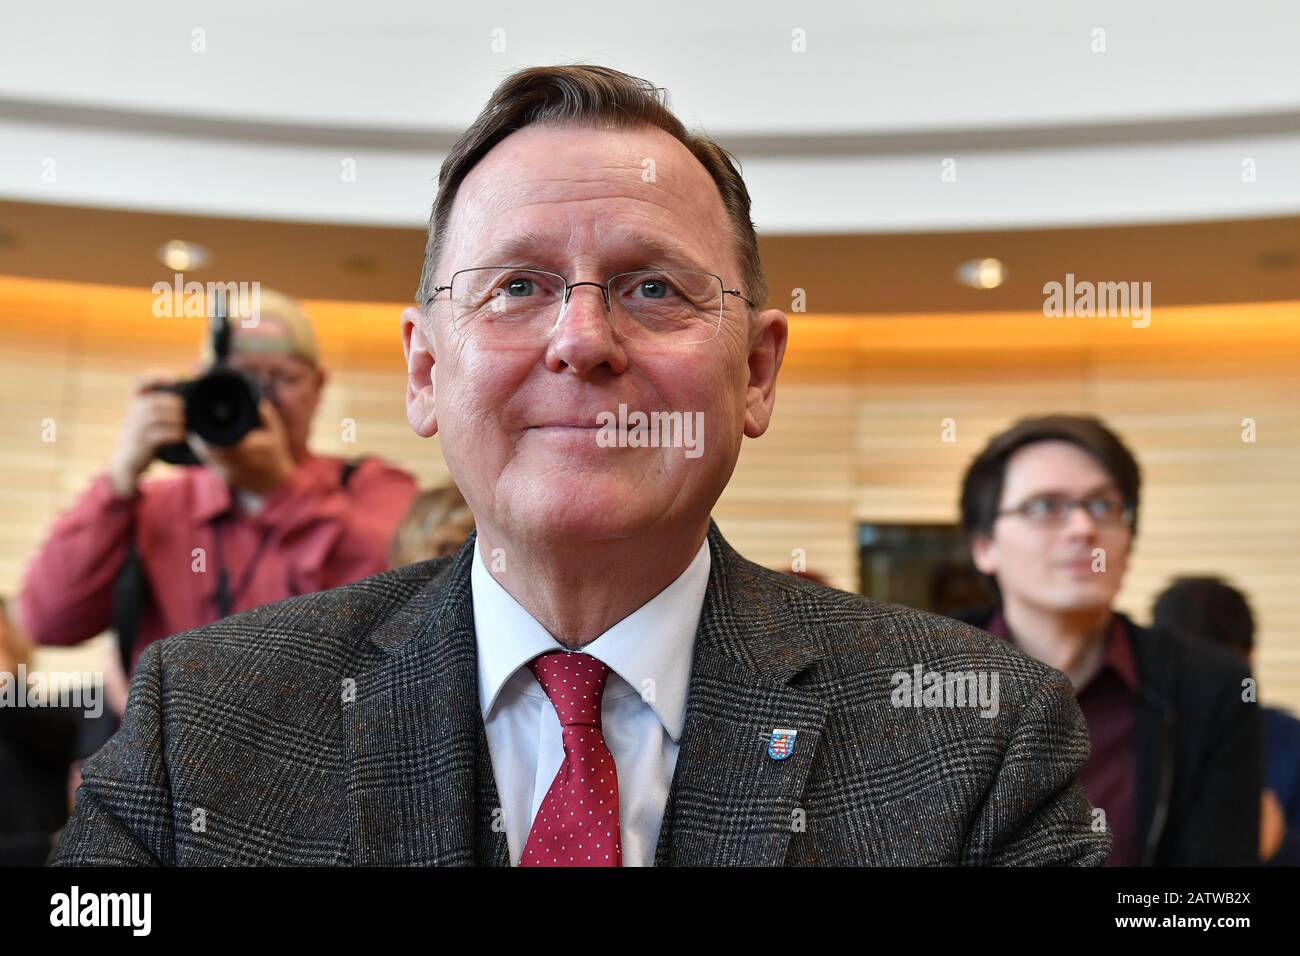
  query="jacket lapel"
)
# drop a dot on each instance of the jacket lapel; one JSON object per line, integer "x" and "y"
{"x": 730, "y": 803}
{"x": 420, "y": 790}
{"x": 1157, "y": 727}
{"x": 491, "y": 848}
{"x": 420, "y": 787}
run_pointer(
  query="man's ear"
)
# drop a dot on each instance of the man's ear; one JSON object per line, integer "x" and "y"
{"x": 984, "y": 554}
{"x": 766, "y": 352}
{"x": 417, "y": 346}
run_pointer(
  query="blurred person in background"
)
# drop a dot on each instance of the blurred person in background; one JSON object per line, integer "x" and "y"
{"x": 256, "y": 522}
{"x": 957, "y": 589}
{"x": 437, "y": 524}
{"x": 37, "y": 747}
{"x": 1050, "y": 511}
{"x": 1208, "y": 609}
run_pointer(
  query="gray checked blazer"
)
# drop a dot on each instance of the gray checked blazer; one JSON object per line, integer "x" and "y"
{"x": 343, "y": 728}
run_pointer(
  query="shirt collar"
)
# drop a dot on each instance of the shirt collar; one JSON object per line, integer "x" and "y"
{"x": 211, "y": 495}
{"x": 1117, "y": 655}
{"x": 213, "y": 498}
{"x": 650, "y": 649}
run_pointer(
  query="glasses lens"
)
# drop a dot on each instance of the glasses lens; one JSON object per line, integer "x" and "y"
{"x": 672, "y": 307}
{"x": 1106, "y": 510}
{"x": 502, "y": 305}
{"x": 1045, "y": 509}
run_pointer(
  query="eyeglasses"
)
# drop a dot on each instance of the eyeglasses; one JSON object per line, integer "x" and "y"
{"x": 1051, "y": 510}
{"x": 507, "y": 305}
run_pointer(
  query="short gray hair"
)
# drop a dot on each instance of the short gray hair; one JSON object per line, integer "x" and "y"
{"x": 587, "y": 95}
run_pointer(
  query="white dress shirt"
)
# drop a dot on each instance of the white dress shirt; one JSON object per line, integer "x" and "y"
{"x": 643, "y": 712}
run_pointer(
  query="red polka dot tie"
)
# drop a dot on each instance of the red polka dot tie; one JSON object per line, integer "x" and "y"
{"x": 577, "y": 824}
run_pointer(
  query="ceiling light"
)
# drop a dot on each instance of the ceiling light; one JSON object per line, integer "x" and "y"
{"x": 180, "y": 256}
{"x": 981, "y": 273}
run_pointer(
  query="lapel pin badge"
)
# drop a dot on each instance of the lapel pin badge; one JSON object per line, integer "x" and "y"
{"x": 781, "y": 744}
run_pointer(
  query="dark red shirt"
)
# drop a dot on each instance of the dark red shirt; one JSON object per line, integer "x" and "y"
{"x": 1109, "y": 704}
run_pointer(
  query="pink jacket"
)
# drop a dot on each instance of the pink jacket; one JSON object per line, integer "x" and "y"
{"x": 317, "y": 535}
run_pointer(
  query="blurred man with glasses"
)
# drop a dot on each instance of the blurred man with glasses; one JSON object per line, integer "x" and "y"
{"x": 596, "y": 678}
{"x": 1050, "y": 510}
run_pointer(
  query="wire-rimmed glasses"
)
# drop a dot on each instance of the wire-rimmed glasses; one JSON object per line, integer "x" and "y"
{"x": 509, "y": 305}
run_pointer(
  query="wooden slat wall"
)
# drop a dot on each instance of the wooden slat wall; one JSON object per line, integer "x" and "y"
{"x": 856, "y": 436}
{"x": 870, "y": 395}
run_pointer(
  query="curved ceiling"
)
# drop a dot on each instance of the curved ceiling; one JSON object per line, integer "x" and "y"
{"x": 845, "y": 115}
{"x": 864, "y": 67}
{"x": 1255, "y": 260}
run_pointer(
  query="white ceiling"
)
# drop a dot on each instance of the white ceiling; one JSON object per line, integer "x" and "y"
{"x": 847, "y": 136}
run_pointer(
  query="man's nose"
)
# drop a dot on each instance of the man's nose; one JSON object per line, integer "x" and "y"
{"x": 584, "y": 337}
{"x": 1080, "y": 522}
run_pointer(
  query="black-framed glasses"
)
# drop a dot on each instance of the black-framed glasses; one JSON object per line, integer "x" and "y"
{"x": 1052, "y": 510}
{"x": 509, "y": 305}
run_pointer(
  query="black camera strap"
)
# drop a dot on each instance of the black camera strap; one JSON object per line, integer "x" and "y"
{"x": 131, "y": 589}
{"x": 130, "y": 593}
{"x": 226, "y": 598}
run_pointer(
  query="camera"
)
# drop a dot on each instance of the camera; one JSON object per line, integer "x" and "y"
{"x": 221, "y": 405}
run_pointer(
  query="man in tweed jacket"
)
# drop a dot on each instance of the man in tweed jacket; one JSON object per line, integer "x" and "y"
{"x": 587, "y": 256}
{"x": 241, "y": 744}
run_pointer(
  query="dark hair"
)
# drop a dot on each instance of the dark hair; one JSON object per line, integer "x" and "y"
{"x": 594, "y": 96}
{"x": 981, "y": 488}
{"x": 1207, "y": 608}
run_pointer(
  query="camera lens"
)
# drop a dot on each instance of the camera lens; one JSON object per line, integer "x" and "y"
{"x": 222, "y": 407}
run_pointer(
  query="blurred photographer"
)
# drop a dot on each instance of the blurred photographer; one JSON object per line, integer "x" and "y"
{"x": 255, "y": 522}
